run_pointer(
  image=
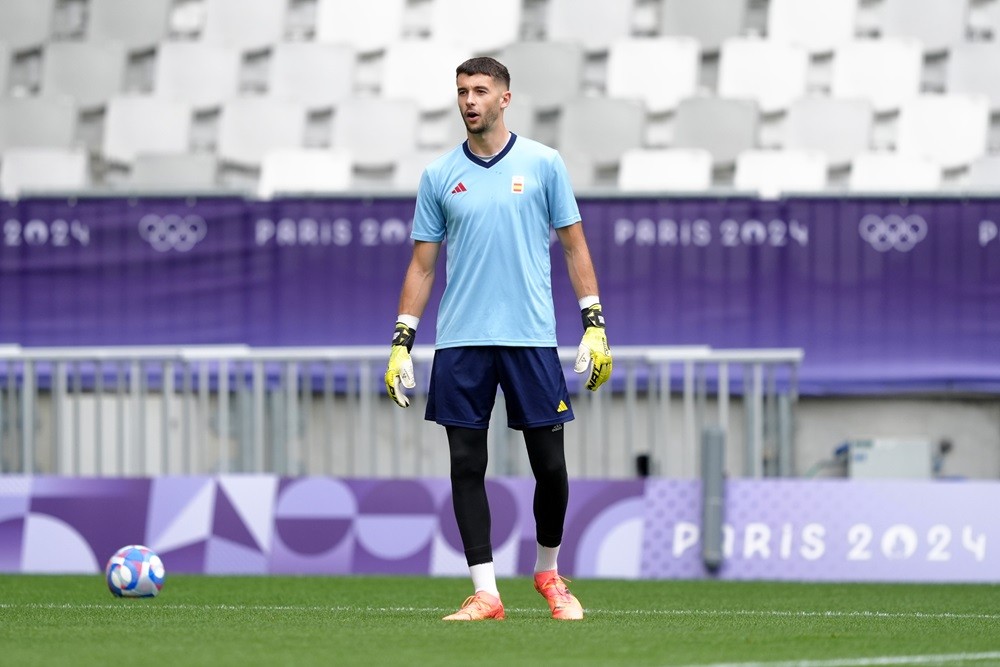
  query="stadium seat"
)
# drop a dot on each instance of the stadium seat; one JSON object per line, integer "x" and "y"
{"x": 972, "y": 69}
{"x": 144, "y": 124}
{"x": 89, "y": 72}
{"x": 251, "y": 127}
{"x": 601, "y": 128}
{"x": 5, "y": 56}
{"x": 520, "y": 116}
{"x": 202, "y": 75}
{"x": 772, "y": 73}
{"x": 886, "y": 71}
{"x": 708, "y": 21}
{"x": 140, "y": 26}
{"x": 304, "y": 171}
{"x": 839, "y": 128}
{"x": 817, "y": 26}
{"x": 657, "y": 71}
{"x": 24, "y": 170}
{"x": 594, "y": 24}
{"x": 984, "y": 174}
{"x": 936, "y": 24}
{"x": 892, "y": 172}
{"x": 174, "y": 172}
{"x": 665, "y": 170}
{"x": 529, "y": 75}
{"x": 500, "y": 27}
{"x": 368, "y": 26}
{"x": 722, "y": 126}
{"x": 37, "y": 122}
{"x": 244, "y": 25}
{"x": 984, "y": 20}
{"x": 423, "y": 71}
{"x": 410, "y": 166}
{"x": 951, "y": 130}
{"x": 771, "y": 173}
{"x": 26, "y": 24}
{"x": 376, "y": 131}
{"x": 314, "y": 74}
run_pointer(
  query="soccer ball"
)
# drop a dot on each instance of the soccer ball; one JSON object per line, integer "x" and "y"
{"x": 135, "y": 571}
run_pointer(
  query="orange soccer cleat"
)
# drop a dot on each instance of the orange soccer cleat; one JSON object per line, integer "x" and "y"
{"x": 564, "y": 605}
{"x": 478, "y": 607}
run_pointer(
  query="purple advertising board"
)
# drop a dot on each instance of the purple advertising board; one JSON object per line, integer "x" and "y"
{"x": 881, "y": 293}
{"x": 803, "y": 530}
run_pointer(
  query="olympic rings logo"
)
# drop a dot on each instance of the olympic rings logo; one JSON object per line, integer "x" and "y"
{"x": 893, "y": 232}
{"x": 172, "y": 232}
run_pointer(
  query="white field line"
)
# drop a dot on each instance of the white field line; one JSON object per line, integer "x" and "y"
{"x": 764, "y": 613}
{"x": 874, "y": 661}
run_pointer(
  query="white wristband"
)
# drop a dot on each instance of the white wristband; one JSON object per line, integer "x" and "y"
{"x": 588, "y": 301}
{"x": 409, "y": 320}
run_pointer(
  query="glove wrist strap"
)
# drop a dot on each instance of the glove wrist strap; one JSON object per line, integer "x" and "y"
{"x": 593, "y": 317}
{"x": 403, "y": 335}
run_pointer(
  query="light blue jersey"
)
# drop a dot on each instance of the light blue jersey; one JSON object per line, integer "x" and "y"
{"x": 497, "y": 218}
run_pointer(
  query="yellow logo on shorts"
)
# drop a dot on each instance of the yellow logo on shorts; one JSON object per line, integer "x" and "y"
{"x": 562, "y": 407}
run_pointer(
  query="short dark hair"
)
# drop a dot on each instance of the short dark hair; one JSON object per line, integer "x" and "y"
{"x": 491, "y": 67}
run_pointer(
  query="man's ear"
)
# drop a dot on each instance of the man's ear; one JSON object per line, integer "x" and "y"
{"x": 505, "y": 99}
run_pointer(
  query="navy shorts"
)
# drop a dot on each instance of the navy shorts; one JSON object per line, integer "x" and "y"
{"x": 464, "y": 382}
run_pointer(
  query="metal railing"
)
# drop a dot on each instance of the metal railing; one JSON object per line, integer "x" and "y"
{"x": 233, "y": 409}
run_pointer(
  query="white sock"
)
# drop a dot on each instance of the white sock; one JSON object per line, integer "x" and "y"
{"x": 484, "y": 578}
{"x": 545, "y": 558}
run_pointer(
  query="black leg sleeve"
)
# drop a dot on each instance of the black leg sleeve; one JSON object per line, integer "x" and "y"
{"x": 468, "y": 490}
{"x": 548, "y": 464}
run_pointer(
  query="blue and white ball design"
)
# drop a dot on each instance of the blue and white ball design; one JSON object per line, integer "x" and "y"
{"x": 135, "y": 571}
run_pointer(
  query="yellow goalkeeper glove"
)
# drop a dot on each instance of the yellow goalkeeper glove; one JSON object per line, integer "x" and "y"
{"x": 400, "y": 369}
{"x": 594, "y": 355}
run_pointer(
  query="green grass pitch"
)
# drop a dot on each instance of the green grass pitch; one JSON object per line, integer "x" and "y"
{"x": 377, "y": 621}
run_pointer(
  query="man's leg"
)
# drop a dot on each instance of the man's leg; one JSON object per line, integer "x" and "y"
{"x": 546, "y": 453}
{"x": 469, "y": 457}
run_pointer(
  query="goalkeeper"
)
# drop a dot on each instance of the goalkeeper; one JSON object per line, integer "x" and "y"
{"x": 496, "y": 199}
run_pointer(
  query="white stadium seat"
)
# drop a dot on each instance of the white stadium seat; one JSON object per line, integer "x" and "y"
{"x": 708, "y": 21}
{"x": 245, "y": 25}
{"x": 936, "y": 24}
{"x": 724, "y": 127}
{"x": 665, "y": 170}
{"x": 659, "y": 71}
{"x": 951, "y": 130}
{"x": 891, "y": 172}
{"x": 368, "y": 26}
{"x": 817, "y": 25}
{"x": 772, "y": 73}
{"x": 24, "y": 170}
{"x": 37, "y": 122}
{"x": 26, "y": 24}
{"x": 773, "y": 172}
{"x": 839, "y": 128}
{"x": 202, "y": 75}
{"x": 972, "y": 68}
{"x": 548, "y": 92}
{"x": 174, "y": 172}
{"x": 89, "y": 72}
{"x": 304, "y": 171}
{"x": 376, "y": 131}
{"x": 602, "y": 128}
{"x": 144, "y": 124}
{"x": 594, "y": 24}
{"x": 423, "y": 71}
{"x": 499, "y": 26}
{"x": 252, "y": 127}
{"x": 886, "y": 71}
{"x": 138, "y": 24}
{"x": 315, "y": 74}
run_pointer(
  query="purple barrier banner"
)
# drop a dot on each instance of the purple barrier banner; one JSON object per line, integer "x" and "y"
{"x": 881, "y": 293}
{"x": 802, "y": 530}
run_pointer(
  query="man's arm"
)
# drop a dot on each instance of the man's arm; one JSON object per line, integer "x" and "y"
{"x": 581, "y": 267}
{"x": 419, "y": 278}
{"x": 594, "y": 355}
{"x": 413, "y": 299}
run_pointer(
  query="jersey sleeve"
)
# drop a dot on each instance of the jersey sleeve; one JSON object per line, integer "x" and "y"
{"x": 563, "y": 209}
{"x": 428, "y": 217}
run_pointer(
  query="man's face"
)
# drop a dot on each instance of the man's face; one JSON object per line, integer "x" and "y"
{"x": 480, "y": 100}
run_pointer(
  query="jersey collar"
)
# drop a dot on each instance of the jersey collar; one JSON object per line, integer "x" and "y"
{"x": 486, "y": 165}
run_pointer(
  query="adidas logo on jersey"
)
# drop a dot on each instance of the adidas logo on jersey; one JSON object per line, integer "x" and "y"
{"x": 458, "y": 188}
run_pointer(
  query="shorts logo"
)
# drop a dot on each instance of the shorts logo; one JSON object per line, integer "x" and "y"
{"x": 893, "y": 232}
{"x": 517, "y": 185}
